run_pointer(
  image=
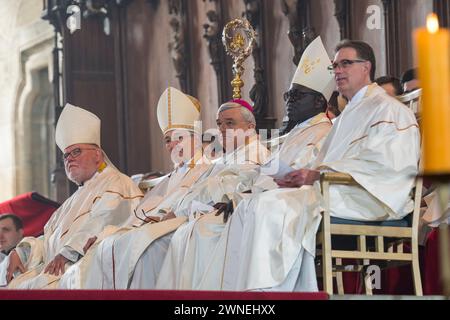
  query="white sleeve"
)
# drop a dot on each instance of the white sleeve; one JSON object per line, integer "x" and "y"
{"x": 31, "y": 251}
{"x": 70, "y": 254}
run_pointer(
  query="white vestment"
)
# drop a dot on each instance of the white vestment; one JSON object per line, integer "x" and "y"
{"x": 376, "y": 141}
{"x": 196, "y": 252}
{"x": 434, "y": 215}
{"x": 106, "y": 199}
{"x": 110, "y": 262}
{"x": 4, "y": 261}
{"x": 218, "y": 185}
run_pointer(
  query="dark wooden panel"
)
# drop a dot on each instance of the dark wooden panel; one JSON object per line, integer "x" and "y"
{"x": 91, "y": 48}
{"x": 442, "y": 8}
{"x": 96, "y": 97}
{"x": 90, "y": 77}
{"x": 135, "y": 47}
{"x": 392, "y": 34}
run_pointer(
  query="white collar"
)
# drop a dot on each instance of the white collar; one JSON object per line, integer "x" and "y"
{"x": 182, "y": 169}
{"x": 96, "y": 174}
{"x": 358, "y": 96}
{"x": 303, "y": 124}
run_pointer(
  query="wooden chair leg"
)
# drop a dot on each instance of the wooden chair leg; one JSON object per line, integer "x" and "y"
{"x": 339, "y": 278}
{"x": 416, "y": 271}
{"x": 327, "y": 270}
{"x": 416, "y": 278}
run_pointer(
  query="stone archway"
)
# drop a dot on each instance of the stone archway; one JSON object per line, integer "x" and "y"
{"x": 34, "y": 123}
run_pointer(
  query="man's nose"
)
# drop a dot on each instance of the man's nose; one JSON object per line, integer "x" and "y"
{"x": 337, "y": 70}
{"x": 222, "y": 127}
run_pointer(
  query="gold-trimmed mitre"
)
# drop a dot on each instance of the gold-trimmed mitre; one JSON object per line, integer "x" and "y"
{"x": 75, "y": 126}
{"x": 312, "y": 71}
{"x": 177, "y": 110}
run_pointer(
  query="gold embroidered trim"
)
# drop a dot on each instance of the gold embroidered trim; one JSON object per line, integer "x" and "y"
{"x": 169, "y": 107}
{"x": 79, "y": 216}
{"x": 363, "y": 137}
{"x": 391, "y": 122}
{"x": 108, "y": 191}
{"x": 49, "y": 283}
{"x": 388, "y": 122}
{"x": 178, "y": 126}
{"x": 315, "y": 125}
{"x": 121, "y": 195}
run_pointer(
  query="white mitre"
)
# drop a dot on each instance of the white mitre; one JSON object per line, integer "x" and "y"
{"x": 177, "y": 110}
{"x": 312, "y": 71}
{"x": 76, "y": 125}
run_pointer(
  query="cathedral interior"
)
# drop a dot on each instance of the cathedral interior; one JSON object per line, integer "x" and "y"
{"x": 116, "y": 57}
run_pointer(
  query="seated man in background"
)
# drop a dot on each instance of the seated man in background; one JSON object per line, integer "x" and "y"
{"x": 391, "y": 85}
{"x": 104, "y": 197}
{"x": 11, "y": 233}
{"x": 410, "y": 81}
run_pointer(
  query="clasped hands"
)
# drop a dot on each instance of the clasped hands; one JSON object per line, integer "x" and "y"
{"x": 298, "y": 178}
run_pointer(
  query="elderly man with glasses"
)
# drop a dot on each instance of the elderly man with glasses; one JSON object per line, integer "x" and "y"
{"x": 104, "y": 197}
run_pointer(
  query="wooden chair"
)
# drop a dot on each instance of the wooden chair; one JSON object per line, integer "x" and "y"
{"x": 413, "y": 101}
{"x": 148, "y": 184}
{"x": 377, "y": 243}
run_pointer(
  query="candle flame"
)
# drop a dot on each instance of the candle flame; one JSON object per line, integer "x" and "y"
{"x": 432, "y": 23}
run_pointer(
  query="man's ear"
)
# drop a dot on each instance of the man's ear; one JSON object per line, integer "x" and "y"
{"x": 368, "y": 66}
{"x": 320, "y": 102}
{"x": 99, "y": 154}
{"x": 21, "y": 233}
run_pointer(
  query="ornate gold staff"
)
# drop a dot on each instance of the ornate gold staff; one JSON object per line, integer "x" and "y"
{"x": 239, "y": 38}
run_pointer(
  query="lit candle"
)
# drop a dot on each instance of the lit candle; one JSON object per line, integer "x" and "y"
{"x": 433, "y": 46}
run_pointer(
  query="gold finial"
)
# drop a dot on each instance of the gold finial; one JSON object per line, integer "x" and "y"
{"x": 239, "y": 38}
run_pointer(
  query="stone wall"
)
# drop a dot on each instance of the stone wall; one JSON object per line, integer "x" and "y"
{"x": 25, "y": 56}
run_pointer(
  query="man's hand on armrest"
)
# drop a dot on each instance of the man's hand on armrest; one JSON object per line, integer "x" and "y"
{"x": 57, "y": 265}
{"x": 14, "y": 265}
{"x": 89, "y": 244}
{"x": 298, "y": 178}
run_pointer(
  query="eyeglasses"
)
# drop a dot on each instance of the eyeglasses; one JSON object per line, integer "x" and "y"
{"x": 75, "y": 153}
{"x": 228, "y": 123}
{"x": 344, "y": 64}
{"x": 295, "y": 95}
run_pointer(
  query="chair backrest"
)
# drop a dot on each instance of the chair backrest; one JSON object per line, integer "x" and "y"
{"x": 146, "y": 181}
{"x": 148, "y": 184}
{"x": 412, "y": 100}
{"x": 34, "y": 209}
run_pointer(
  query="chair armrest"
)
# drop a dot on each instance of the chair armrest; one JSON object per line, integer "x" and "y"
{"x": 337, "y": 178}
